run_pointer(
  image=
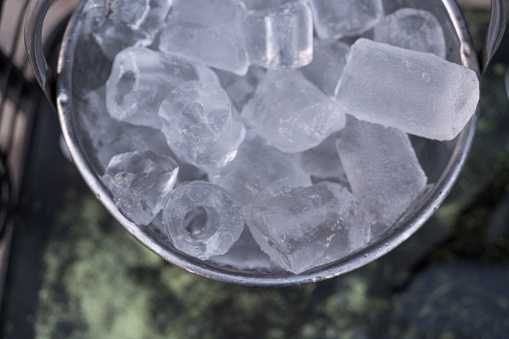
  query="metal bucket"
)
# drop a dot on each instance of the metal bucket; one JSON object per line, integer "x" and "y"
{"x": 442, "y": 161}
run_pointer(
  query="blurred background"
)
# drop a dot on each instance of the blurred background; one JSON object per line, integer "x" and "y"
{"x": 69, "y": 270}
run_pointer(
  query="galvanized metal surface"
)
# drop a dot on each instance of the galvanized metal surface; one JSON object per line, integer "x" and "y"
{"x": 447, "y": 158}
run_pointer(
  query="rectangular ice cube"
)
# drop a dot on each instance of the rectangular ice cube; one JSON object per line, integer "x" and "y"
{"x": 308, "y": 227}
{"x": 416, "y": 92}
{"x": 382, "y": 169}
{"x": 208, "y": 32}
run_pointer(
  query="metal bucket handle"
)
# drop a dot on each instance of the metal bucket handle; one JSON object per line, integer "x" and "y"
{"x": 37, "y": 9}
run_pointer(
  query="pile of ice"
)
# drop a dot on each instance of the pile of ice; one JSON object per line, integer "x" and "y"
{"x": 257, "y": 137}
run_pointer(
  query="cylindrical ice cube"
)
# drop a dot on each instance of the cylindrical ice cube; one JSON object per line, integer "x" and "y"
{"x": 202, "y": 219}
{"x": 413, "y": 29}
{"x": 338, "y": 18}
{"x": 280, "y": 37}
{"x": 201, "y": 126}
{"x": 417, "y": 92}
{"x": 140, "y": 79}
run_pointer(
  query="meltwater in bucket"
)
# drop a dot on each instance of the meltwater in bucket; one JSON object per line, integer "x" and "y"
{"x": 308, "y": 137}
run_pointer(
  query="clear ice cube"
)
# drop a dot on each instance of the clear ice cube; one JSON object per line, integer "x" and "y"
{"x": 202, "y": 219}
{"x": 246, "y": 254}
{"x": 141, "y": 78}
{"x": 382, "y": 169}
{"x": 260, "y": 171}
{"x": 118, "y": 24}
{"x": 292, "y": 113}
{"x": 309, "y": 227}
{"x": 240, "y": 89}
{"x": 280, "y": 37}
{"x": 140, "y": 182}
{"x": 208, "y": 32}
{"x": 412, "y": 29}
{"x": 322, "y": 162}
{"x": 329, "y": 60}
{"x": 417, "y": 92}
{"x": 334, "y": 19}
{"x": 201, "y": 126}
{"x": 263, "y": 4}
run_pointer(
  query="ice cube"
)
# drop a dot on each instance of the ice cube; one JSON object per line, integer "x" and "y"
{"x": 412, "y": 29}
{"x": 246, "y": 254}
{"x": 329, "y": 60}
{"x": 140, "y": 79}
{"x": 382, "y": 169}
{"x": 260, "y": 171}
{"x": 201, "y": 126}
{"x": 118, "y": 24}
{"x": 280, "y": 37}
{"x": 202, "y": 219}
{"x": 240, "y": 89}
{"x": 140, "y": 183}
{"x": 416, "y": 92}
{"x": 322, "y": 162}
{"x": 308, "y": 227}
{"x": 334, "y": 19}
{"x": 208, "y": 32}
{"x": 263, "y": 4}
{"x": 292, "y": 113}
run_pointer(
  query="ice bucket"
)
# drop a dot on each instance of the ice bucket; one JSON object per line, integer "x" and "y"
{"x": 442, "y": 161}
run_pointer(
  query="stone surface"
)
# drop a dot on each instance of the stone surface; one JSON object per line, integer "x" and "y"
{"x": 329, "y": 60}
{"x": 291, "y": 113}
{"x": 309, "y": 227}
{"x": 260, "y": 171}
{"x": 416, "y": 92}
{"x": 141, "y": 78}
{"x": 201, "y": 126}
{"x": 334, "y": 19}
{"x": 412, "y": 29}
{"x": 140, "y": 183}
{"x": 280, "y": 37}
{"x": 208, "y": 32}
{"x": 202, "y": 219}
{"x": 382, "y": 169}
